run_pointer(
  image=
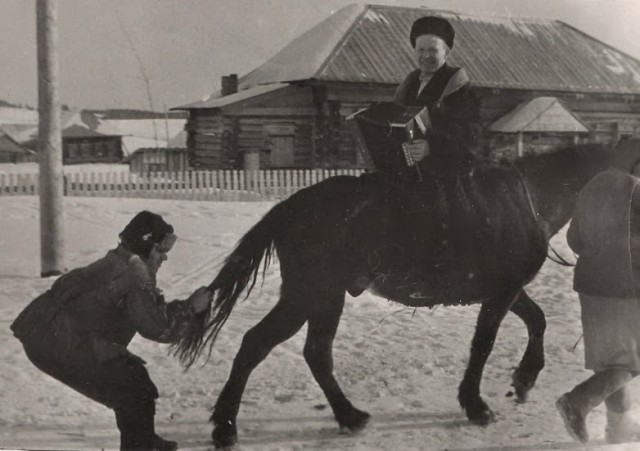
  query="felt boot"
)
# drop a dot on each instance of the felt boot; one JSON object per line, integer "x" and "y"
{"x": 574, "y": 418}
{"x": 576, "y": 405}
{"x": 621, "y": 428}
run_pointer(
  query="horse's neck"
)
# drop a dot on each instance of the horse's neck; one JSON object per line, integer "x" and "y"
{"x": 556, "y": 206}
{"x": 555, "y": 183}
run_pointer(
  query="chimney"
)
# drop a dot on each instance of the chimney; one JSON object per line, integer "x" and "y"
{"x": 229, "y": 84}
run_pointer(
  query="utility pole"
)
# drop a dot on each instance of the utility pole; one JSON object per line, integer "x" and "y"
{"x": 49, "y": 142}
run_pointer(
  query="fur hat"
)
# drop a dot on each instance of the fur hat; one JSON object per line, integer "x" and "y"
{"x": 143, "y": 231}
{"x": 436, "y": 26}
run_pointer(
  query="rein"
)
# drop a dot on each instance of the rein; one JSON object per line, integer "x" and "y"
{"x": 559, "y": 259}
{"x": 556, "y": 257}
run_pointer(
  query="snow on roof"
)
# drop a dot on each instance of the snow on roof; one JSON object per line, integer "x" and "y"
{"x": 542, "y": 114}
{"x": 304, "y": 56}
{"x": 21, "y": 133}
{"x": 9, "y": 145}
{"x": 10, "y": 115}
{"x": 148, "y": 128}
{"x": 234, "y": 98}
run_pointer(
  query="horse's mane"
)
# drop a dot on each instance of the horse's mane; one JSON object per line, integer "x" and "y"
{"x": 555, "y": 178}
{"x": 577, "y": 160}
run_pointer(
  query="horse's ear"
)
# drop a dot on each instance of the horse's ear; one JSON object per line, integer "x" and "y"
{"x": 626, "y": 155}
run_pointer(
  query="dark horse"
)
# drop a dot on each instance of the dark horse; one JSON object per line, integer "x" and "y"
{"x": 487, "y": 257}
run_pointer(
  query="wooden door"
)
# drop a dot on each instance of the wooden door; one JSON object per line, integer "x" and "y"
{"x": 281, "y": 151}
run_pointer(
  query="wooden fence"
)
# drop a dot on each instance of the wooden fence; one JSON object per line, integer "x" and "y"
{"x": 191, "y": 185}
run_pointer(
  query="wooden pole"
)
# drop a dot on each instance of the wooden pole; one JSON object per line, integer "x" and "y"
{"x": 49, "y": 142}
{"x": 520, "y": 145}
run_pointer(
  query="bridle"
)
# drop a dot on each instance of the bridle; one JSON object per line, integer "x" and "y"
{"x": 556, "y": 257}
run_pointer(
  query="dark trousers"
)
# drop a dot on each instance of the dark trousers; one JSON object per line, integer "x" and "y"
{"x": 121, "y": 383}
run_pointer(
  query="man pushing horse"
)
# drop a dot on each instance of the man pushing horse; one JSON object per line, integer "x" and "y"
{"x": 78, "y": 331}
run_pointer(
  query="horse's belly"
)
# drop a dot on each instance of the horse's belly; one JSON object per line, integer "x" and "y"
{"x": 448, "y": 286}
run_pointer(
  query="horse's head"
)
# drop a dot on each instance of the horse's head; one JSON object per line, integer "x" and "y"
{"x": 626, "y": 156}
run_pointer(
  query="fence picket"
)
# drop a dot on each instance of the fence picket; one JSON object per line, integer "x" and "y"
{"x": 235, "y": 185}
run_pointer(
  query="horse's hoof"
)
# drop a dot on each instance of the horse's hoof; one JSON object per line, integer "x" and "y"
{"x": 354, "y": 421}
{"x": 522, "y": 383}
{"x": 482, "y": 418}
{"x": 480, "y": 414}
{"x": 522, "y": 392}
{"x": 224, "y": 435}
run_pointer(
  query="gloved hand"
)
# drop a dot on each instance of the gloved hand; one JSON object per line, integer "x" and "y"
{"x": 417, "y": 149}
{"x": 201, "y": 299}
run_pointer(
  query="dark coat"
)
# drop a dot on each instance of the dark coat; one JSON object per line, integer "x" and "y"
{"x": 453, "y": 109}
{"x": 78, "y": 331}
{"x": 604, "y": 232}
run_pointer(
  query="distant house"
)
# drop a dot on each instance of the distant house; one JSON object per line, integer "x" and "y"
{"x": 290, "y": 111}
{"x": 85, "y": 138}
{"x": 88, "y": 139}
{"x": 12, "y": 152}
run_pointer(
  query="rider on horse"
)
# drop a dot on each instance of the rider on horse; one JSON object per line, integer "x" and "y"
{"x": 464, "y": 214}
{"x": 445, "y": 91}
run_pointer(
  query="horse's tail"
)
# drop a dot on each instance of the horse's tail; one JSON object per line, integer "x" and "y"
{"x": 238, "y": 274}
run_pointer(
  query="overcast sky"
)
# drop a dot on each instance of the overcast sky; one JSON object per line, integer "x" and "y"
{"x": 187, "y": 45}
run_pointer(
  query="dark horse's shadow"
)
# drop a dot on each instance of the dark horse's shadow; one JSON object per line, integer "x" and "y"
{"x": 263, "y": 432}
{"x": 478, "y": 237}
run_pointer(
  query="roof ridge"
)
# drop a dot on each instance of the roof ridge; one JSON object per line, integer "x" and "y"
{"x": 553, "y": 101}
{"x": 467, "y": 14}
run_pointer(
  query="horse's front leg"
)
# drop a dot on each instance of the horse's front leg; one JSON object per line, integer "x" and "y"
{"x": 524, "y": 377}
{"x": 491, "y": 315}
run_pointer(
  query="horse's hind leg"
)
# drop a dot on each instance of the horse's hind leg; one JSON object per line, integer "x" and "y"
{"x": 322, "y": 327}
{"x": 282, "y": 322}
{"x": 491, "y": 315}
{"x": 532, "y": 362}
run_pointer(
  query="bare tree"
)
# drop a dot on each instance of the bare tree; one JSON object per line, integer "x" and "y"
{"x": 143, "y": 73}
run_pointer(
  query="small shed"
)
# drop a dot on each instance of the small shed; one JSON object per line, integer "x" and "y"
{"x": 536, "y": 126}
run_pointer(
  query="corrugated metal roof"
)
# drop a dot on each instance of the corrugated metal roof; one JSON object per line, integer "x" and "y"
{"x": 542, "y": 114}
{"x": 366, "y": 43}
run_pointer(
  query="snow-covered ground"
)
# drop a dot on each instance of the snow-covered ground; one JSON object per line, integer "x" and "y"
{"x": 400, "y": 365}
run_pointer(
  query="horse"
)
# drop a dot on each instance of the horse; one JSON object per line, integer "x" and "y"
{"x": 314, "y": 234}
